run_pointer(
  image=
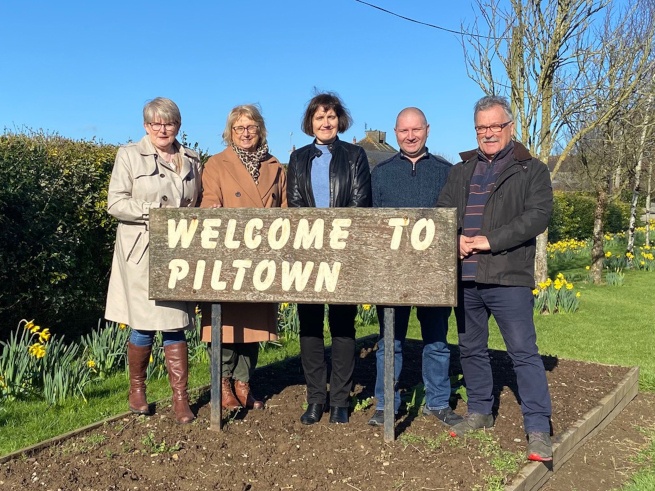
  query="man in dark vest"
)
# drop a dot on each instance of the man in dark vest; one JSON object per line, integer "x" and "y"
{"x": 504, "y": 199}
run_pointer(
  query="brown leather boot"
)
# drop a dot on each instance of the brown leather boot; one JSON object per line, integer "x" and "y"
{"x": 177, "y": 363}
{"x": 242, "y": 390}
{"x": 228, "y": 400}
{"x": 138, "y": 358}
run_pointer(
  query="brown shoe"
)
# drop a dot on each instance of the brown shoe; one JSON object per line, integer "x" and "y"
{"x": 228, "y": 399}
{"x": 177, "y": 363}
{"x": 138, "y": 358}
{"x": 242, "y": 390}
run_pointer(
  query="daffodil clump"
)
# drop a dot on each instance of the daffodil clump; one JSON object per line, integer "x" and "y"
{"x": 616, "y": 262}
{"x": 556, "y": 296}
{"x": 566, "y": 249}
{"x": 104, "y": 349}
{"x": 20, "y": 359}
{"x": 645, "y": 259}
{"x": 35, "y": 363}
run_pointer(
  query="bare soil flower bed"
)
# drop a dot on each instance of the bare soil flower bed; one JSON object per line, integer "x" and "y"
{"x": 271, "y": 450}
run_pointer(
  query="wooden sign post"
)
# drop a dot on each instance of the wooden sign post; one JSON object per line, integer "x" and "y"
{"x": 384, "y": 256}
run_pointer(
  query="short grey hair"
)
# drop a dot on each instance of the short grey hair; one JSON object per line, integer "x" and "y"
{"x": 489, "y": 101}
{"x": 163, "y": 108}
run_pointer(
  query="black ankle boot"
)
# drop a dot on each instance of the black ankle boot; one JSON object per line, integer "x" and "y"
{"x": 312, "y": 415}
{"x": 338, "y": 414}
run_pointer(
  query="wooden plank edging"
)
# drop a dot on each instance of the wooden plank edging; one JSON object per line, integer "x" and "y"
{"x": 535, "y": 474}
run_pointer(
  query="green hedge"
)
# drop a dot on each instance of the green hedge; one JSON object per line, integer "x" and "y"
{"x": 56, "y": 238}
{"x": 573, "y": 217}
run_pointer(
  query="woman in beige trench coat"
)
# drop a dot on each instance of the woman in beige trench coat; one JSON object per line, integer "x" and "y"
{"x": 155, "y": 172}
{"x": 244, "y": 175}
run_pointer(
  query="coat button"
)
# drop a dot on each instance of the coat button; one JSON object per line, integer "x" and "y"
{"x": 162, "y": 175}
{"x": 237, "y": 194}
{"x": 164, "y": 198}
{"x": 273, "y": 195}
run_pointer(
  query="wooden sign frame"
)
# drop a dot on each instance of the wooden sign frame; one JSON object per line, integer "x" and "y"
{"x": 383, "y": 256}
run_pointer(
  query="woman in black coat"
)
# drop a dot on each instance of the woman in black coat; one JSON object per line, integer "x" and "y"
{"x": 327, "y": 173}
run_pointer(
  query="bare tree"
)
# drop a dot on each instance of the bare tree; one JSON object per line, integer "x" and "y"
{"x": 541, "y": 53}
{"x": 615, "y": 143}
{"x": 646, "y": 134}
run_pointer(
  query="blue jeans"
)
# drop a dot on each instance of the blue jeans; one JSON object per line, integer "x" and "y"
{"x": 436, "y": 354}
{"x": 512, "y": 308}
{"x": 145, "y": 338}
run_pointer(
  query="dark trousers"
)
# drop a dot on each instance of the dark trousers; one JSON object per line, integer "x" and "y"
{"x": 312, "y": 352}
{"x": 512, "y": 307}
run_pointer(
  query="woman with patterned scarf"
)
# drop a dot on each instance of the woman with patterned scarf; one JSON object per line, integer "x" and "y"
{"x": 244, "y": 175}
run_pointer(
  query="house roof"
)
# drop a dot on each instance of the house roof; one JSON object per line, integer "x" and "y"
{"x": 376, "y": 147}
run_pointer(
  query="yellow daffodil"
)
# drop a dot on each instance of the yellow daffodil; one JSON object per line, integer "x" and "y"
{"x": 577, "y": 295}
{"x": 33, "y": 328}
{"x": 44, "y": 335}
{"x": 91, "y": 364}
{"x": 587, "y": 268}
{"x": 608, "y": 254}
{"x": 629, "y": 255}
{"x": 37, "y": 350}
{"x": 535, "y": 292}
{"x": 284, "y": 306}
{"x": 569, "y": 286}
{"x": 122, "y": 326}
{"x": 366, "y": 306}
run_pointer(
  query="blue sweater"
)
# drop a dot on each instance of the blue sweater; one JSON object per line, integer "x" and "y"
{"x": 397, "y": 183}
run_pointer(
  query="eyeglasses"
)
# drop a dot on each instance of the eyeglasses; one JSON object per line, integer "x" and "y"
{"x": 495, "y": 128}
{"x": 158, "y": 126}
{"x": 253, "y": 128}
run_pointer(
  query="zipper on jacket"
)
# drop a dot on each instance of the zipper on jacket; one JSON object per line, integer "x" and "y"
{"x": 413, "y": 169}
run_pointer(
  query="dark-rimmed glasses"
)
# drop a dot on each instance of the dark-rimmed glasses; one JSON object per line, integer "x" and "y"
{"x": 158, "y": 126}
{"x": 495, "y": 128}
{"x": 252, "y": 128}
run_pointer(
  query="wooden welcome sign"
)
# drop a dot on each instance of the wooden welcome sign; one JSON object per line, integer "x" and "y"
{"x": 385, "y": 256}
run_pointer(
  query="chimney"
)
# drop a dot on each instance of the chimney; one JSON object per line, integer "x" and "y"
{"x": 377, "y": 136}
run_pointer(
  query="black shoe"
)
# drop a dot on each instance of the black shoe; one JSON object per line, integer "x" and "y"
{"x": 447, "y": 416}
{"x": 312, "y": 415}
{"x": 338, "y": 414}
{"x": 377, "y": 419}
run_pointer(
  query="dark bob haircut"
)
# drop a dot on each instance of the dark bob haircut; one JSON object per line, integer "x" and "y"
{"x": 327, "y": 101}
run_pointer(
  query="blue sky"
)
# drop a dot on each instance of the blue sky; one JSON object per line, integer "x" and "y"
{"x": 85, "y": 69}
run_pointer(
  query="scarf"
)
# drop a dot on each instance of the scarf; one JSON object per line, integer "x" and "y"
{"x": 252, "y": 160}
